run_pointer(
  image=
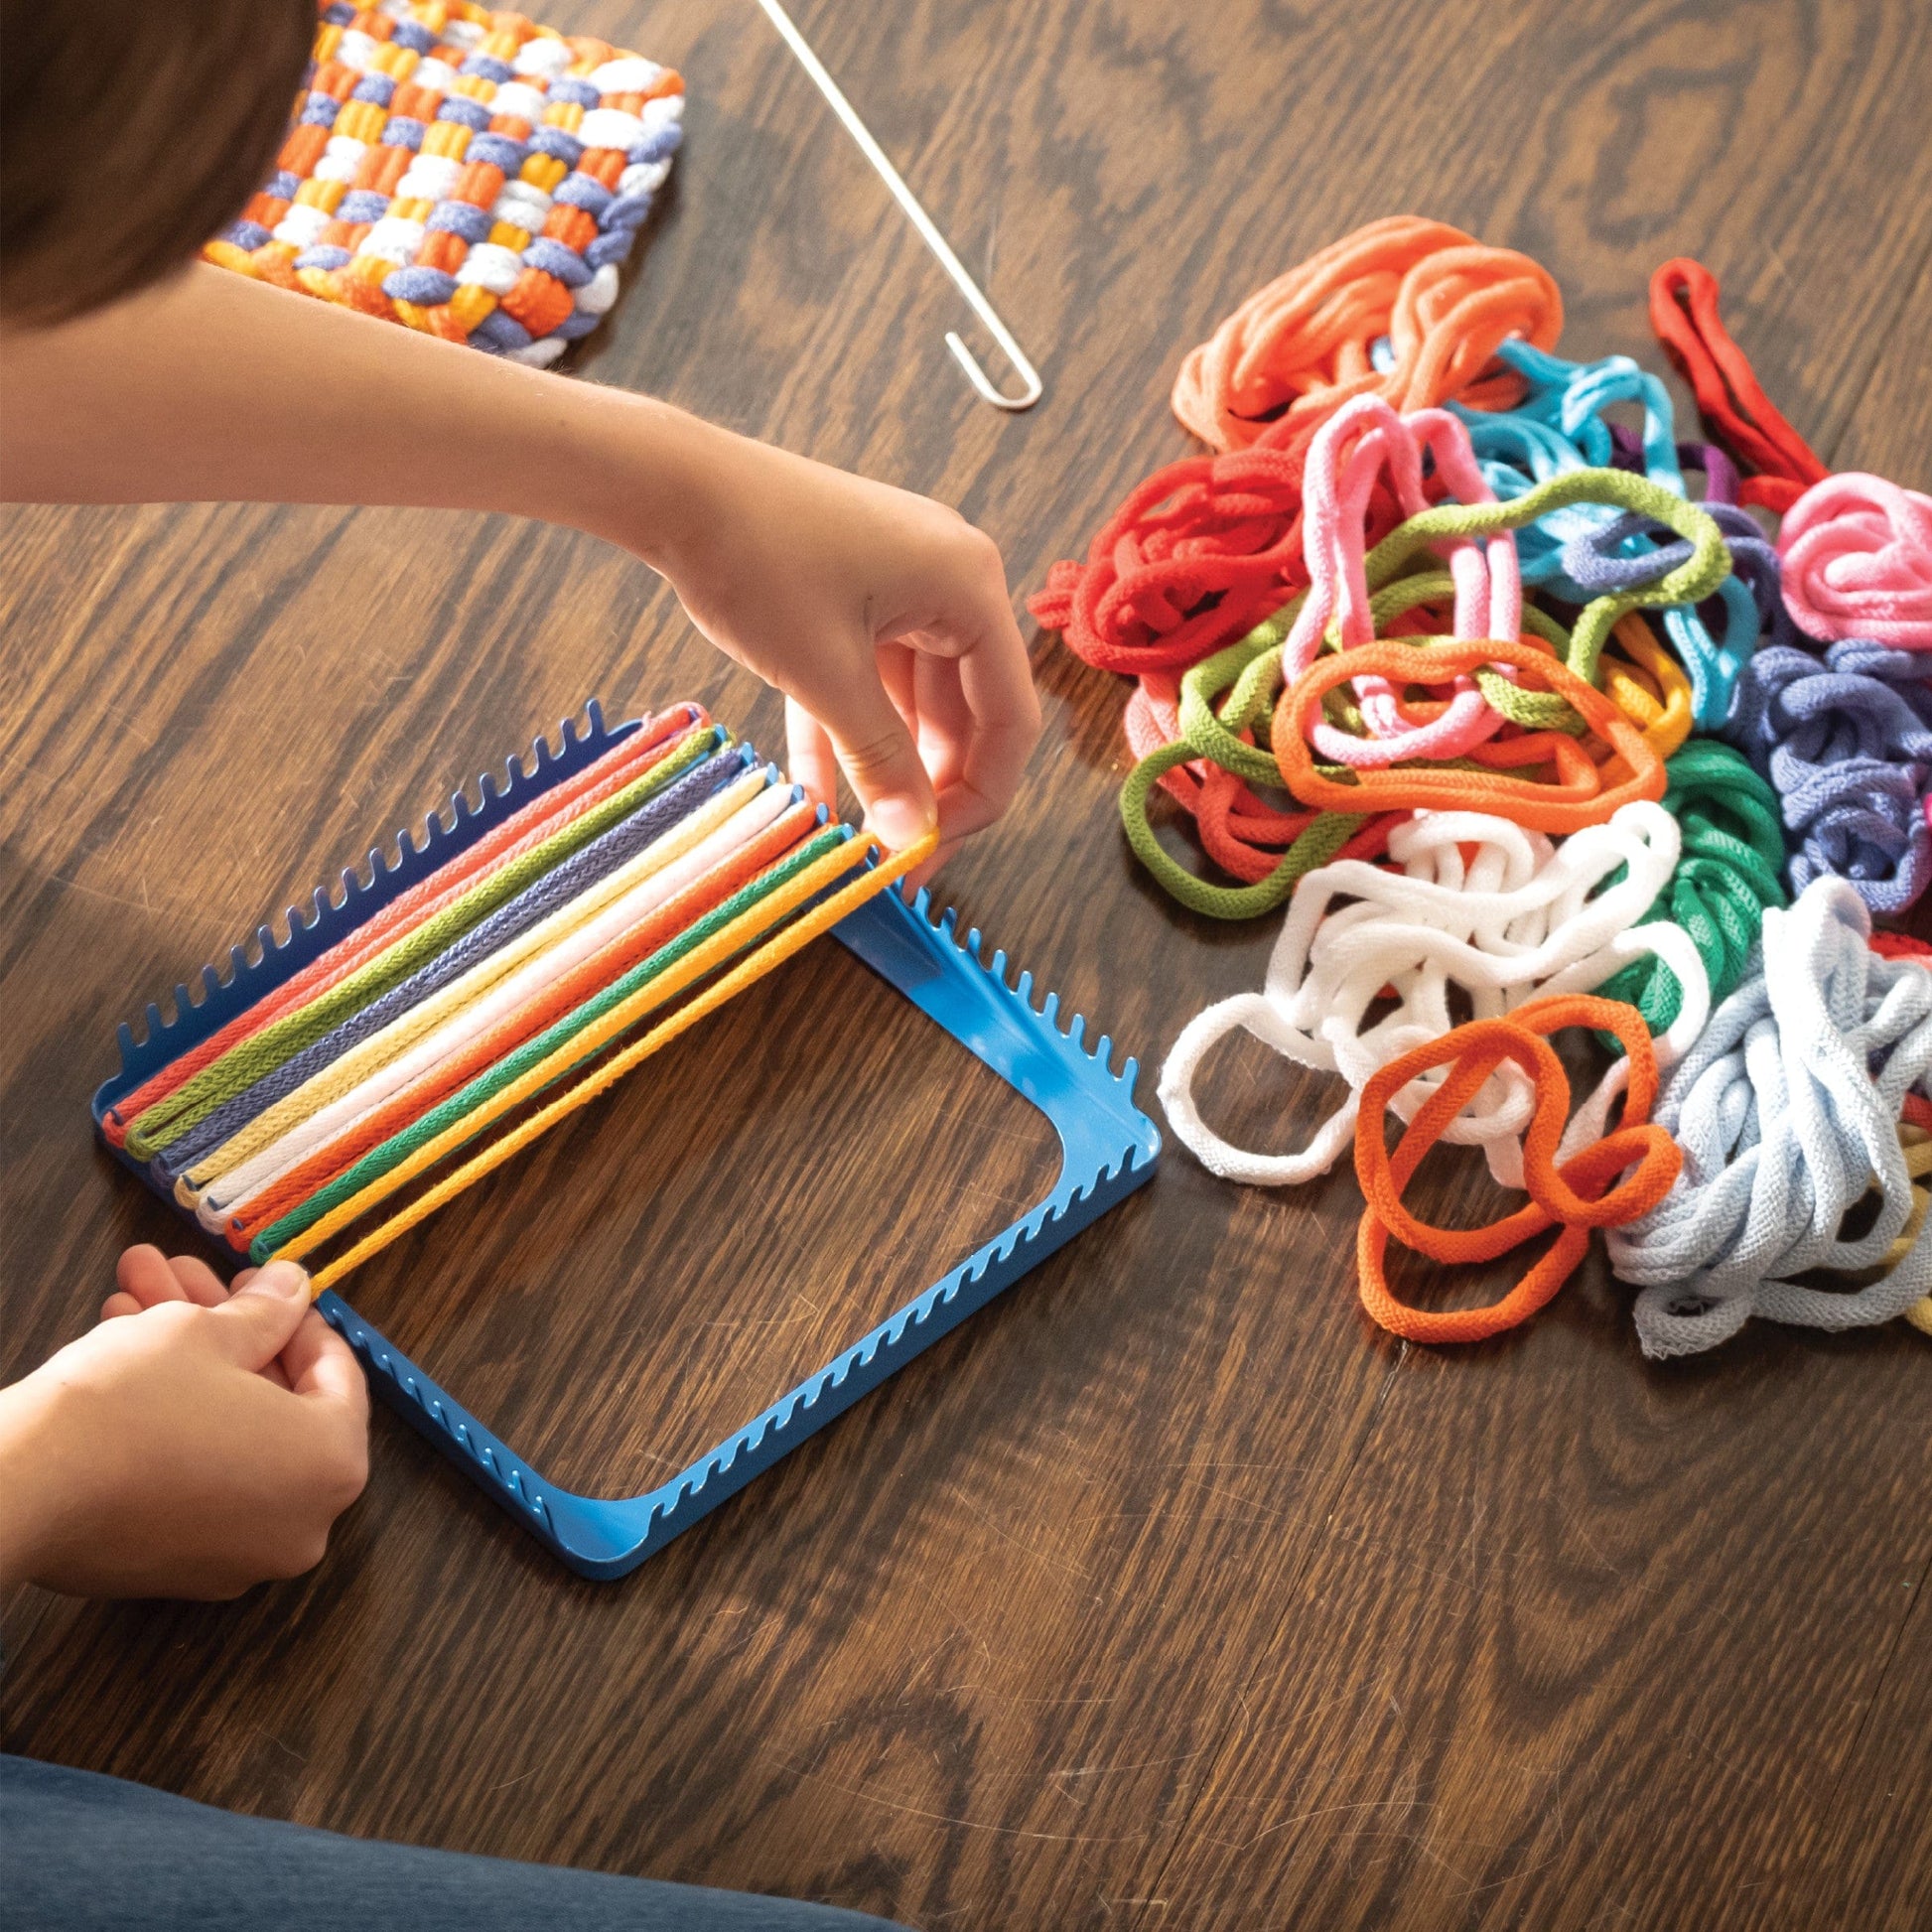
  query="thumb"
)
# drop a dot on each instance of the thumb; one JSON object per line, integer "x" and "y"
{"x": 881, "y": 764}
{"x": 256, "y": 1321}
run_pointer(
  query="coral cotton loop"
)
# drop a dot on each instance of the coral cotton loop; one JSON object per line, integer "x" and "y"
{"x": 1572, "y": 1190}
{"x": 1296, "y": 351}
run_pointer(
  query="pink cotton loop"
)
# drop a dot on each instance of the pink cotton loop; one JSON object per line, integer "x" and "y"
{"x": 1856, "y": 552}
{"x": 1346, "y": 458}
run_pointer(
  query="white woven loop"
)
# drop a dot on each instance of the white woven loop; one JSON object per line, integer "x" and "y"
{"x": 1787, "y": 1110}
{"x": 1481, "y": 903}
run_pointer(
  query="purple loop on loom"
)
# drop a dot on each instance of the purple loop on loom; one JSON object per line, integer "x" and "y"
{"x": 376, "y": 87}
{"x": 282, "y": 184}
{"x": 465, "y": 112}
{"x": 500, "y": 331}
{"x": 247, "y": 234}
{"x": 464, "y": 219}
{"x": 404, "y": 131}
{"x": 566, "y": 264}
{"x": 567, "y": 87}
{"x": 363, "y": 204}
{"x": 411, "y": 34}
{"x": 319, "y": 110}
{"x": 608, "y": 248}
{"x": 558, "y": 145}
{"x": 487, "y": 67}
{"x": 581, "y": 191}
{"x": 336, "y": 14}
{"x": 425, "y": 287}
{"x": 1846, "y": 744}
{"x": 575, "y": 325}
{"x": 658, "y": 145}
{"x": 324, "y": 257}
{"x": 498, "y": 151}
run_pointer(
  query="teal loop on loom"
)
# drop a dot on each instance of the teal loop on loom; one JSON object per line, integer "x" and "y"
{"x": 1559, "y": 426}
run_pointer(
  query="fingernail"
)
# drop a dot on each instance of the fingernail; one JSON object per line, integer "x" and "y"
{"x": 284, "y": 1278}
{"x": 898, "y": 822}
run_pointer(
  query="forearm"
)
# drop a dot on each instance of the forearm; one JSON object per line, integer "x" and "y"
{"x": 31, "y": 1470}
{"x": 215, "y": 389}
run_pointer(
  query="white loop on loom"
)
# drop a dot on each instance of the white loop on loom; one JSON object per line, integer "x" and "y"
{"x": 1517, "y": 918}
{"x": 1787, "y": 1110}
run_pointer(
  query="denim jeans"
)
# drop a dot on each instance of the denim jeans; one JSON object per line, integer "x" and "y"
{"x": 79, "y": 1852}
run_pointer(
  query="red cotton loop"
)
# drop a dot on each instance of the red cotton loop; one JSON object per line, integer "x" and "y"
{"x": 1899, "y": 945}
{"x": 1575, "y": 1194}
{"x": 1736, "y": 410}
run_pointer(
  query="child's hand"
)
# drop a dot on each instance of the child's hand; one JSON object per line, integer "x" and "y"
{"x": 884, "y": 618}
{"x": 194, "y": 1444}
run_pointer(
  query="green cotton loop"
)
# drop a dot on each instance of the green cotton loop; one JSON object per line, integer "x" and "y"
{"x": 1317, "y": 843}
{"x": 1730, "y": 871}
{"x": 399, "y": 1146}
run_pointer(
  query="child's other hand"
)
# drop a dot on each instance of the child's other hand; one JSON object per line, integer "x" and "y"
{"x": 884, "y": 618}
{"x": 197, "y": 1442}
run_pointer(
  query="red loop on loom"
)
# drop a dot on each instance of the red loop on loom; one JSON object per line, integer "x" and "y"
{"x": 1735, "y": 409}
{"x": 1577, "y": 1195}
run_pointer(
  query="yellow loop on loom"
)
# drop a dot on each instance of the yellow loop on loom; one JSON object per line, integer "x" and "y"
{"x": 718, "y": 948}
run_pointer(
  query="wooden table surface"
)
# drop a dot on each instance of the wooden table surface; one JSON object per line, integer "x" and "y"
{"x": 1167, "y": 1594}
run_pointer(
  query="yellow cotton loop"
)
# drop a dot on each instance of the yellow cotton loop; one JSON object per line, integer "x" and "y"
{"x": 700, "y": 961}
{"x": 1648, "y": 685}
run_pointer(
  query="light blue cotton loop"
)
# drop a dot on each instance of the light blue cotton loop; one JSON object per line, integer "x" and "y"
{"x": 1787, "y": 1110}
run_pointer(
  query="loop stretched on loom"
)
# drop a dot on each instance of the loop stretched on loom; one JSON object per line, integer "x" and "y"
{"x": 1735, "y": 409}
{"x": 1480, "y": 905}
{"x": 1846, "y": 745}
{"x": 1298, "y": 349}
{"x": 1788, "y": 1108}
{"x": 1857, "y": 562}
{"x": 1571, "y": 1186}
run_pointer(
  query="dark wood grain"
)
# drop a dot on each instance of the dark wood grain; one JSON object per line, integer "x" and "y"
{"x": 1167, "y": 1594}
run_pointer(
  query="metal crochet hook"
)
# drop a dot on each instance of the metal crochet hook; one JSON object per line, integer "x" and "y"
{"x": 1032, "y": 389}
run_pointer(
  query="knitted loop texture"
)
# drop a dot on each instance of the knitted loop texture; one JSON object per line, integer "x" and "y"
{"x": 1857, "y": 562}
{"x": 1571, "y": 1186}
{"x": 1787, "y": 1109}
{"x": 463, "y": 172}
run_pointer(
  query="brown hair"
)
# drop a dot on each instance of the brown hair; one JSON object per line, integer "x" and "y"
{"x": 130, "y": 132}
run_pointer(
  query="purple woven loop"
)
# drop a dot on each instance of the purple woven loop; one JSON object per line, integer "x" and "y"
{"x": 658, "y": 145}
{"x": 610, "y": 247}
{"x": 580, "y": 190}
{"x": 465, "y": 112}
{"x": 247, "y": 234}
{"x": 319, "y": 110}
{"x": 499, "y": 330}
{"x": 323, "y": 256}
{"x": 404, "y": 131}
{"x": 566, "y": 264}
{"x": 487, "y": 67}
{"x": 557, "y": 144}
{"x": 411, "y": 34}
{"x": 578, "y": 324}
{"x": 424, "y": 286}
{"x": 282, "y": 184}
{"x": 499, "y": 150}
{"x": 363, "y": 204}
{"x": 565, "y": 87}
{"x": 336, "y": 14}
{"x": 1846, "y": 744}
{"x": 377, "y": 88}
{"x": 463, "y": 218}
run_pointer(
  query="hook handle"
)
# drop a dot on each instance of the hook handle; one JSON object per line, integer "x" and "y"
{"x": 1031, "y": 388}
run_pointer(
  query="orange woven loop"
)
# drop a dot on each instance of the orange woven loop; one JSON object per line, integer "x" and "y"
{"x": 1574, "y": 1192}
{"x": 1578, "y": 796}
{"x": 1736, "y": 410}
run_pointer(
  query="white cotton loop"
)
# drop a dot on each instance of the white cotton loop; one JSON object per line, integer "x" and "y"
{"x": 538, "y": 355}
{"x": 465, "y": 34}
{"x": 489, "y": 265}
{"x": 643, "y": 177}
{"x": 519, "y": 98}
{"x": 355, "y": 49}
{"x": 542, "y": 56}
{"x": 629, "y": 75}
{"x": 662, "y": 111}
{"x": 429, "y": 178}
{"x": 393, "y": 239}
{"x": 1519, "y": 918}
{"x": 598, "y": 294}
{"x": 301, "y": 224}
{"x": 1787, "y": 1109}
{"x": 437, "y": 76}
{"x": 521, "y": 206}
{"x": 609, "y": 127}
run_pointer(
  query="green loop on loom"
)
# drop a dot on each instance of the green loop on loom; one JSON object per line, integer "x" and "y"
{"x": 1727, "y": 874}
{"x": 1318, "y": 842}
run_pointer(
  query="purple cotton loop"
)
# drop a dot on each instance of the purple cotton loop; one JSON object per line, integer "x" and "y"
{"x": 1719, "y": 473}
{"x": 1754, "y": 559}
{"x": 324, "y": 257}
{"x": 411, "y": 34}
{"x": 282, "y": 184}
{"x": 500, "y": 329}
{"x": 558, "y": 145}
{"x": 487, "y": 67}
{"x": 247, "y": 234}
{"x": 658, "y": 145}
{"x": 574, "y": 325}
{"x": 425, "y": 287}
{"x": 404, "y": 131}
{"x": 1590, "y": 561}
{"x": 464, "y": 219}
{"x": 498, "y": 151}
{"x": 376, "y": 87}
{"x": 465, "y": 112}
{"x": 336, "y": 14}
{"x": 363, "y": 204}
{"x": 1627, "y": 450}
{"x": 566, "y": 264}
{"x": 319, "y": 110}
{"x": 608, "y": 248}
{"x": 580, "y": 190}
{"x": 628, "y": 210}
{"x": 565, "y": 87}
{"x": 1848, "y": 753}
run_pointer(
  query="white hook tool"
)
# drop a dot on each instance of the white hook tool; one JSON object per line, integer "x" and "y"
{"x": 1032, "y": 389}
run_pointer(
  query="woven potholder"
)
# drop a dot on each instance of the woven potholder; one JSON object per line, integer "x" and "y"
{"x": 463, "y": 172}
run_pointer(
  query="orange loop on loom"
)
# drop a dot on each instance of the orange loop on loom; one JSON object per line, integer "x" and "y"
{"x": 1736, "y": 410}
{"x": 1296, "y": 351}
{"x": 1578, "y": 797}
{"x": 1575, "y": 1194}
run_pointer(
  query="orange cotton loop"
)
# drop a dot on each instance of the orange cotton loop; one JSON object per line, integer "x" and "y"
{"x": 1572, "y": 1191}
{"x": 1736, "y": 410}
{"x": 1581, "y": 795}
{"x": 1296, "y": 351}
